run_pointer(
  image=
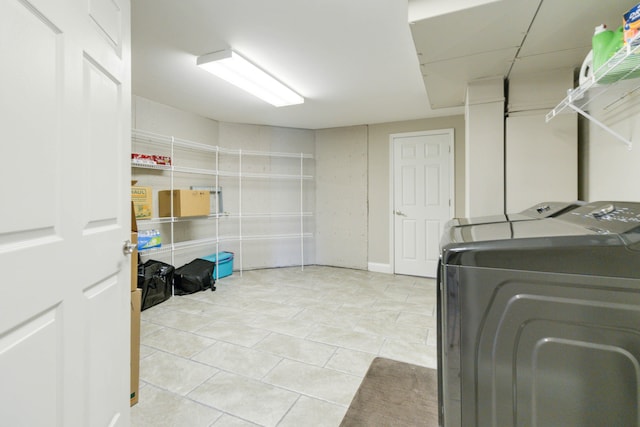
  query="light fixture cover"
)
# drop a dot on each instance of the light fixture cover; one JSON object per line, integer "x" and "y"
{"x": 230, "y": 66}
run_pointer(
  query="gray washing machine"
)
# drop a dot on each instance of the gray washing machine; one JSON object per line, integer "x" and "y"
{"x": 539, "y": 317}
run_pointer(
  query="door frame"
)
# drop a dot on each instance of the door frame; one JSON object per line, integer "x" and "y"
{"x": 392, "y": 176}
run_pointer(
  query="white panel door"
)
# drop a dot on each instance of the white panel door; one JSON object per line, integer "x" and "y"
{"x": 423, "y": 199}
{"x": 64, "y": 183}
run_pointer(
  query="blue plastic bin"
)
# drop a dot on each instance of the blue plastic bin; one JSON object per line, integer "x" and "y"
{"x": 224, "y": 264}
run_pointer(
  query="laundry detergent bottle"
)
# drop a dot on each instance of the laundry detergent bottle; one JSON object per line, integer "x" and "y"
{"x": 600, "y": 43}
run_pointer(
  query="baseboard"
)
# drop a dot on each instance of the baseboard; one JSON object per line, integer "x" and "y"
{"x": 380, "y": 268}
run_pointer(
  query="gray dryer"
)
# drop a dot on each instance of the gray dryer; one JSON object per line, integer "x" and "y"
{"x": 539, "y": 317}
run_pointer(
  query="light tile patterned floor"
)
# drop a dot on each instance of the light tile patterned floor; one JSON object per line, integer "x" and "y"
{"x": 278, "y": 347}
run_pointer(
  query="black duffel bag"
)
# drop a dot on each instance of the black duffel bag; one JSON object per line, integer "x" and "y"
{"x": 194, "y": 277}
{"x": 155, "y": 278}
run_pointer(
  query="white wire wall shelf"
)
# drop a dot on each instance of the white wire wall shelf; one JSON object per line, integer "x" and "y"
{"x": 608, "y": 85}
{"x": 148, "y": 166}
{"x": 191, "y": 244}
{"x": 150, "y": 137}
{"x": 266, "y": 215}
{"x": 213, "y": 172}
{"x": 274, "y": 215}
{"x": 170, "y": 143}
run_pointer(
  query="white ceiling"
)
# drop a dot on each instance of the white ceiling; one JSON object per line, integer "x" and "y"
{"x": 505, "y": 38}
{"x": 354, "y": 61}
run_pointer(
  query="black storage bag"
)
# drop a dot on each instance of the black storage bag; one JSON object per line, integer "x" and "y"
{"x": 155, "y": 278}
{"x": 193, "y": 277}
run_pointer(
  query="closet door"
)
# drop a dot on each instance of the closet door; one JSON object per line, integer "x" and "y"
{"x": 64, "y": 294}
{"x": 423, "y": 198}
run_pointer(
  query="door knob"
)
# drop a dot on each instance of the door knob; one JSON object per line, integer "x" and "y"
{"x": 399, "y": 213}
{"x": 128, "y": 247}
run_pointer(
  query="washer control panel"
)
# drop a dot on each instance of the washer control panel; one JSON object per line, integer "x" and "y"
{"x": 606, "y": 217}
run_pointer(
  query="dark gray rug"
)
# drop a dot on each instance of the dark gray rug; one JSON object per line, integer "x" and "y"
{"x": 395, "y": 393}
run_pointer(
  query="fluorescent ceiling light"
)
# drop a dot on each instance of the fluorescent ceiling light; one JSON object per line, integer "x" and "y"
{"x": 230, "y": 66}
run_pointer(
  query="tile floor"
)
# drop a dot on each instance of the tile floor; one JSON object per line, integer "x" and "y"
{"x": 278, "y": 347}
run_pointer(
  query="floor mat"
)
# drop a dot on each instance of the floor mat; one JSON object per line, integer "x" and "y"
{"x": 395, "y": 393}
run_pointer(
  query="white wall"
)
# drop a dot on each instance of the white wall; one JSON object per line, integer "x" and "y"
{"x": 541, "y": 159}
{"x": 484, "y": 148}
{"x": 271, "y": 195}
{"x": 610, "y": 170}
{"x": 166, "y": 120}
{"x": 341, "y": 194}
{"x": 351, "y": 181}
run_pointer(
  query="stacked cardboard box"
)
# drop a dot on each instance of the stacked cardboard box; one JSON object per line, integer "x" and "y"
{"x": 136, "y": 297}
{"x": 142, "y": 198}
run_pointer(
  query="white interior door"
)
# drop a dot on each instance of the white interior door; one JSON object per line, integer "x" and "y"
{"x": 422, "y": 198}
{"x": 64, "y": 182}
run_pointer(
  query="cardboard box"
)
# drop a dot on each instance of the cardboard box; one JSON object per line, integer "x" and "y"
{"x": 136, "y": 298}
{"x": 136, "y": 302}
{"x": 133, "y": 259}
{"x": 142, "y": 198}
{"x": 185, "y": 203}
